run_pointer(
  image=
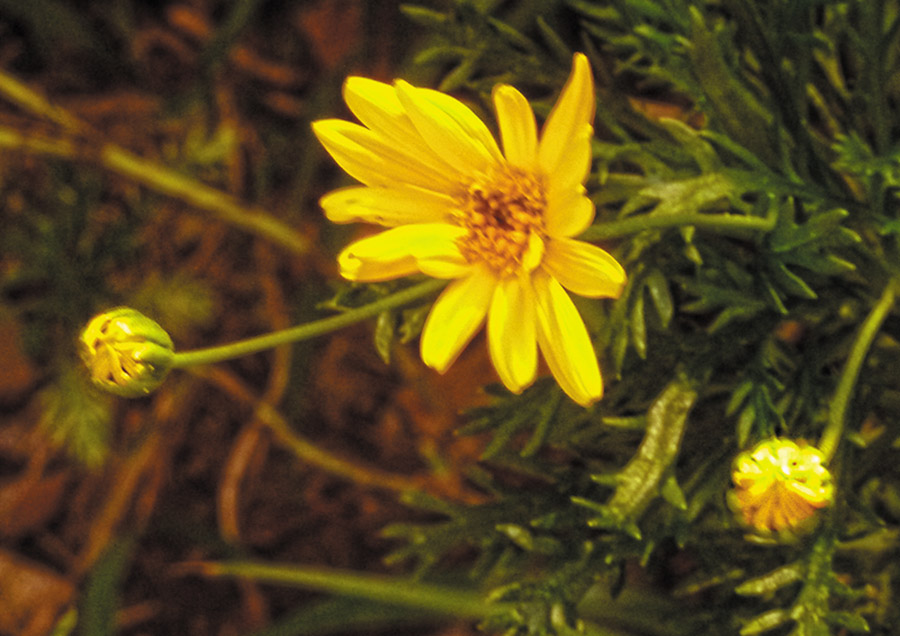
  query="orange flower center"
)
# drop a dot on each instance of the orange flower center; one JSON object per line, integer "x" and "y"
{"x": 503, "y": 212}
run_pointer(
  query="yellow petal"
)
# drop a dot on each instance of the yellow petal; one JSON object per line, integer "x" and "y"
{"x": 386, "y": 206}
{"x": 511, "y": 333}
{"x": 450, "y": 128}
{"x": 584, "y": 269}
{"x": 368, "y": 157}
{"x": 565, "y": 343}
{"x": 440, "y": 256}
{"x": 575, "y": 163}
{"x": 377, "y": 106}
{"x": 518, "y": 130}
{"x": 534, "y": 252}
{"x": 572, "y": 111}
{"x": 455, "y": 318}
{"x": 374, "y": 270}
{"x": 394, "y": 253}
{"x": 568, "y": 213}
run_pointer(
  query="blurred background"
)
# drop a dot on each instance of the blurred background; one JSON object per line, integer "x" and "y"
{"x": 114, "y": 117}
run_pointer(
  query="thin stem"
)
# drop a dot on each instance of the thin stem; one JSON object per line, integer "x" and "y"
{"x": 26, "y": 97}
{"x": 873, "y": 21}
{"x": 307, "y": 330}
{"x": 162, "y": 180}
{"x": 201, "y": 196}
{"x": 379, "y": 588}
{"x": 839, "y": 403}
{"x": 630, "y": 613}
{"x": 147, "y": 173}
{"x": 725, "y": 223}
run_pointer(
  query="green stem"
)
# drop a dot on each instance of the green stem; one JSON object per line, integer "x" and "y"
{"x": 307, "y": 330}
{"x": 29, "y": 99}
{"x": 202, "y": 196}
{"x": 841, "y": 400}
{"x": 873, "y": 19}
{"x": 145, "y": 172}
{"x": 379, "y": 588}
{"x": 629, "y": 614}
{"x": 725, "y": 223}
{"x": 161, "y": 179}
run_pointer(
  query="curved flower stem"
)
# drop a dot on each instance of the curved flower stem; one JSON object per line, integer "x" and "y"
{"x": 867, "y": 332}
{"x": 725, "y": 223}
{"x": 200, "y": 195}
{"x": 161, "y": 179}
{"x": 629, "y": 613}
{"x": 380, "y": 588}
{"x": 307, "y": 330}
{"x": 80, "y": 142}
{"x": 27, "y": 98}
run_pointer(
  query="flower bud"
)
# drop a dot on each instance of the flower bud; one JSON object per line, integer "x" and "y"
{"x": 126, "y": 353}
{"x": 779, "y": 485}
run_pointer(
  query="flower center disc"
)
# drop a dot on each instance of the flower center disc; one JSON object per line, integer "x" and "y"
{"x": 503, "y": 212}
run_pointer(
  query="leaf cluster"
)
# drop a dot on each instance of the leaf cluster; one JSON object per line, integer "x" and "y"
{"x": 758, "y": 223}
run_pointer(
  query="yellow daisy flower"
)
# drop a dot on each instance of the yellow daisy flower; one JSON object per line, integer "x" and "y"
{"x": 780, "y": 484}
{"x": 499, "y": 223}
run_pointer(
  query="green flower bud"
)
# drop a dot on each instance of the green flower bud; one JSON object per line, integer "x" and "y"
{"x": 126, "y": 353}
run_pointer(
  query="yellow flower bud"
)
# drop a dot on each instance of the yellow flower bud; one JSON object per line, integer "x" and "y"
{"x": 779, "y": 485}
{"x": 126, "y": 353}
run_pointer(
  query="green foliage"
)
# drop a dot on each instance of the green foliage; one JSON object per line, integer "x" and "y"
{"x": 65, "y": 256}
{"x": 810, "y": 611}
{"x": 755, "y": 242}
{"x": 538, "y": 408}
{"x": 758, "y": 223}
{"x": 100, "y": 601}
{"x": 393, "y": 325}
{"x": 514, "y": 530}
{"x": 481, "y": 49}
{"x": 77, "y": 417}
{"x": 648, "y": 472}
{"x": 65, "y": 252}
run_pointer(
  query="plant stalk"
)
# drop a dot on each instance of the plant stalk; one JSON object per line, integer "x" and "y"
{"x": 305, "y": 331}
{"x": 837, "y": 412}
{"x": 725, "y": 223}
{"x": 379, "y": 588}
